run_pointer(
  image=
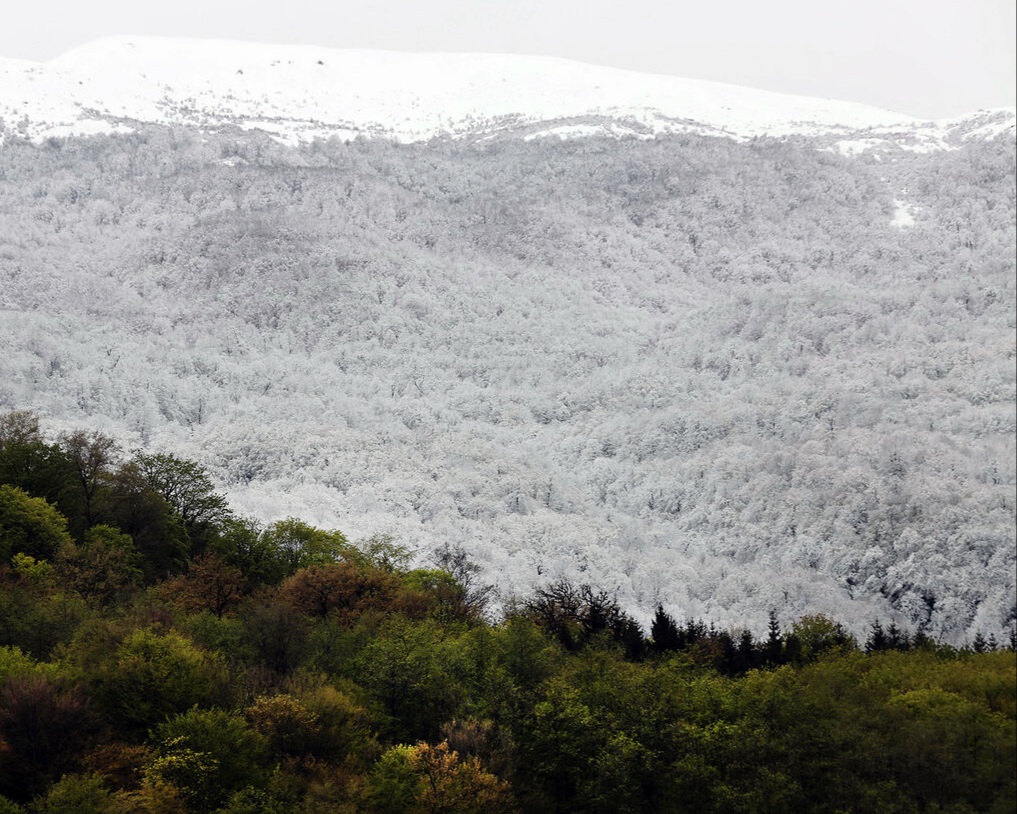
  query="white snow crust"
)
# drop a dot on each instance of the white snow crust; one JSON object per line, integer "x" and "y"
{"x": 297, "y": 93}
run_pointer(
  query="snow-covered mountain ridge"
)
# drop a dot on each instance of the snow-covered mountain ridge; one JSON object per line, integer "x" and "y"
{"x": 298, "y": 93}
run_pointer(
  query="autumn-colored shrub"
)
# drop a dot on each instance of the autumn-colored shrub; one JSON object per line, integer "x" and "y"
{"x": 428, "y": 778}
{"x": 339, "y": 588}
{"x": 209, "y": 584}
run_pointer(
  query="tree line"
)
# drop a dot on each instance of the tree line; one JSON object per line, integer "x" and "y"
{"x": 159, "y": 653}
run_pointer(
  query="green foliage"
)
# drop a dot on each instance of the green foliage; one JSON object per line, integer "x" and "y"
{"x": 9, "y": 806}
{"x": 256, "y": 801}
{"x": 501, "y": 670}
{"x": 92, "y": 457}
{"x": 13, "y": 662}
{"x": 299, "y": 545}
{"x": 276, "y": 634}
{"x": 28, "y": 462}
{"x": 561, "y": 741}
{"x": 35, "y": 616}
{"x": 158, "y": 532}
{"x": 30, "y": 570}
{"x": 189, "y": 491}
{"x": 405, "y": 668}
{"x": 239, "y": 686}
{"x": 380, "y": 551}
{"x": 393, "y": 783}
{"x": 289, "y": 727}
{"x": 242, "y": 543}
{"x": 153, "y": 675}
{"x": 426, "y": 778}
{"x": 818, "y": 635}
{"x": 345, "y": 727}
{"x": 217, "y": 634}
{"x": 619, "y": 777}
{"x": 104, "y": 568}
{"x": 323, "y": 723}
{"x": 209, "y": 755}
{"x": 77, "y": 794}
{"x": 29, "y": 525}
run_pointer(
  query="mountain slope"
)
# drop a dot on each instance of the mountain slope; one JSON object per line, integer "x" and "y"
{"x": 723, "y": 374}
{"x": 298, "y": 93}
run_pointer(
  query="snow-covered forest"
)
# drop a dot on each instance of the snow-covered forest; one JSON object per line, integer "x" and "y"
{"x": 723, "y": 376}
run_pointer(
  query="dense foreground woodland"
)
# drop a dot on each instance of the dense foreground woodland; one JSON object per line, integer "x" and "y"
{"x": 159, "y": 653}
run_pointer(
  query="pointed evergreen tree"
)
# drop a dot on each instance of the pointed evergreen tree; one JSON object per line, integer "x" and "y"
{"x": 727, "y": 660}
{"x": 921, "y": 641}
{"x": 664, "y": 632}
{"x": 773, "y": 649}
{"x": 897, "y": 639}
{"x": 747, "y": 654}
{"x": 877, "y": 640}
{"x": 630, "y": 634}
{"x": 793, "y": 649}
{"x": 694, "y": 631}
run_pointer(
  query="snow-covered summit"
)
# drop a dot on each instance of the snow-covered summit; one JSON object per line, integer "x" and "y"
{"x": 300, "y": 92}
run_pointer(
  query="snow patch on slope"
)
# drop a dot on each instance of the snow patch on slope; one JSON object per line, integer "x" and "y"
{"x": 903, "y": 215}
{"x": 294, "y": 90}
{"x": 298, "y": 93}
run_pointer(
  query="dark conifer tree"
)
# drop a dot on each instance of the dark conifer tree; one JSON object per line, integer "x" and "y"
{"x": 747, "y": 654}
{"x": 792, "y": 649}
{"x": 773, "y": 649}
{"x": 728, "y": 657}
{"x": 897, "y": 639}
{"x": 695, "y": 630}
{"x": 921, "y": 641}
{"x": 630, "y": 634}
{"x": 664, "y": 632}
{"x": 877, "y": 640}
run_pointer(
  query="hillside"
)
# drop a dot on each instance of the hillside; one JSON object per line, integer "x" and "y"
{"x": 298, "y": 93}
{"x": 722, "y": 374}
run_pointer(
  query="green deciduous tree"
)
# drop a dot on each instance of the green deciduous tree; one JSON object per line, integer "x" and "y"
{"x": 241, "y": 542}
{"x": 29, "y": 462}
{"x": 209, "y": 755}
{"x": 104, "y": 567}
{"x": 188, "y": 489}
{"x": 78, "y": 794}
{"x": 425, "y": 779}
{"x": 299, "y": 545}
{"x": 158, "y": 532}
{"x": 404, "y": 666}
{"x": 153, "y": 675}
{"x": 29, "y": 525}
{"x": 92, "y": 456}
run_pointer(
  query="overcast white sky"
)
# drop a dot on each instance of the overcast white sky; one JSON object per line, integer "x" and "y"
{"x": 926, "y": 58}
